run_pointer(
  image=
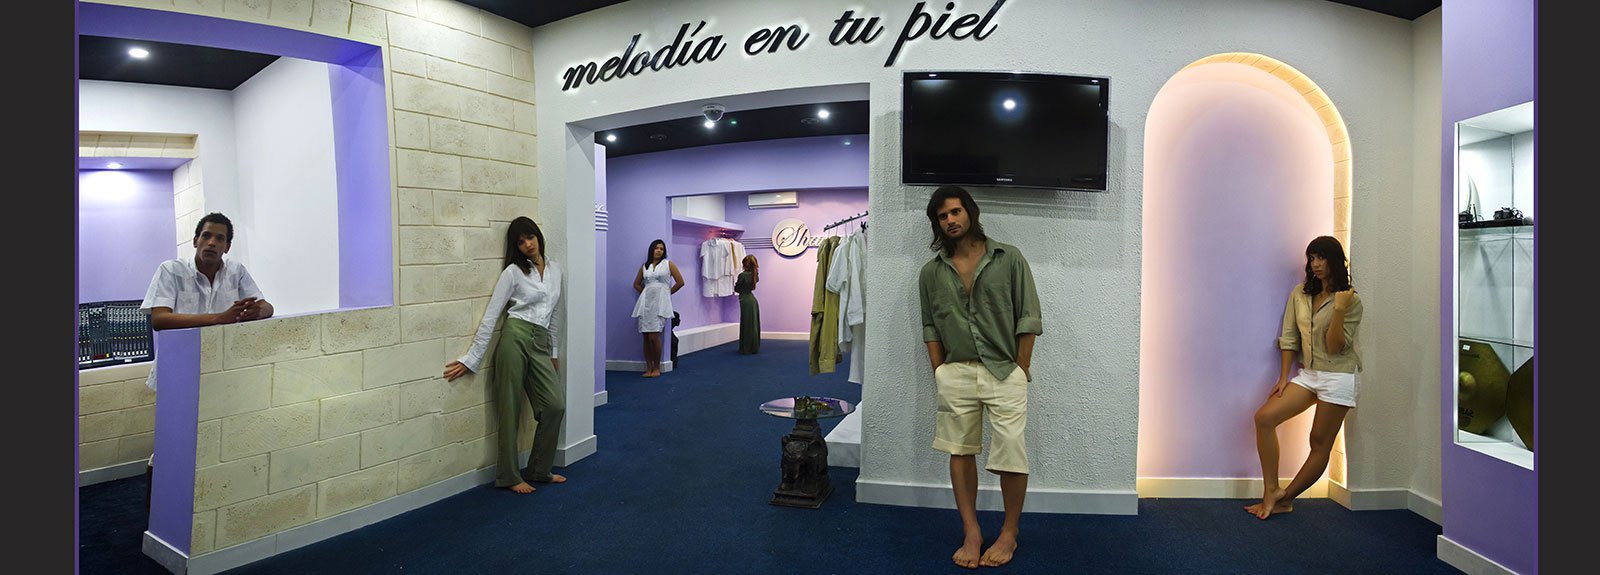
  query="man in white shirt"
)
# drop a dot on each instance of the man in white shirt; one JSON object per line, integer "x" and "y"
{"x": 205, "y": 290}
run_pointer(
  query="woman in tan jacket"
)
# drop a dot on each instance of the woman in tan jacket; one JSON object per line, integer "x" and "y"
{"x": 1320, "y": 325}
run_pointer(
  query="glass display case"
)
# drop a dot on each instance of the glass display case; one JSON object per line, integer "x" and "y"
{"x": 1495, "y": 277}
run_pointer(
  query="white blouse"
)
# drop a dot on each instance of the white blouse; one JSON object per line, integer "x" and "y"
{"x": 533, "y": 299}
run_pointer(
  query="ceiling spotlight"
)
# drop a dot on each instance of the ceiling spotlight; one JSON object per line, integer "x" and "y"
{"x": 114, "y": 166}
{"x": 139, "y": 53}
{"x": 611, "y": 137}
{"x": 733, "y": 122}
{"x": 1010, "y": 104}
{"x": 847, "y": 141}
{"x": 710, "y": 124}
{"x": 822, "y": 114}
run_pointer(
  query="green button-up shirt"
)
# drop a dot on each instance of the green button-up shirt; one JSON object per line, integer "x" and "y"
{"x": 983, "y": 326}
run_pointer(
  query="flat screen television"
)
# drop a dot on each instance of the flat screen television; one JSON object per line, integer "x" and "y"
{"x": 1004, "y": 129}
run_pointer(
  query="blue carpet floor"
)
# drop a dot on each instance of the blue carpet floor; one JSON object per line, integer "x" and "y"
{"x": 681, "y": 481}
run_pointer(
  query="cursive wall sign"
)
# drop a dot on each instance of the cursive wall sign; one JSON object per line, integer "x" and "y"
{"x": 691, "y": 48}
{"x": 791, "y": 237}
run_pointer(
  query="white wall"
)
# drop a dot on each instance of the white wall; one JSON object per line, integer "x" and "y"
{"x": 288, "y": 192}
{"x": 126, "y": 107}
{"x": 1522, "y": 172}
{"x": 1427, "y": 114}
{"x": 1085, "y": 248}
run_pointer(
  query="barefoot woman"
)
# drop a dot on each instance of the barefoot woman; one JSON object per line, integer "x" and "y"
{"x": 1320, "y": 325}
{"x": 525, "y": 357}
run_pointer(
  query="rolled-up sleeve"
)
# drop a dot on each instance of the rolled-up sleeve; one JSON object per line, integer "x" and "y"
{"x": 1352, "y": 319}
{"x": 1289, "y": 335}
{"x": 1028, "y": 314}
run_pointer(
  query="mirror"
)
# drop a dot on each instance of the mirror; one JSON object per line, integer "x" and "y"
{"x": 1495, "y": 274}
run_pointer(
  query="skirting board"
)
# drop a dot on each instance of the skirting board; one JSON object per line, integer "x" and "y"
{"x": 629, "y": 365}
{"x": 789, "y": 335}
{"x": 294, "y": 538}
{"x": 1040, "y": 500}
{"x": 601, "y": 398}
{"x": 1382, "y": 499}
{"x": 577, "y": 451}
{"x": 112, "y": 472}
{"x": 1213, "y": 487}
{"x": 1467, "y": 560}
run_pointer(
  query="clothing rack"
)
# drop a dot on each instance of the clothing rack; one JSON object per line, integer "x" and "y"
{"x": 841, "y": 221}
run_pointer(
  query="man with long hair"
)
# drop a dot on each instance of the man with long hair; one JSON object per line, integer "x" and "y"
{"x": 980, "y": 315}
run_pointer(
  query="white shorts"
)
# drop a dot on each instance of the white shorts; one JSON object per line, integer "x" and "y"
{"x": 1334, "y": 387}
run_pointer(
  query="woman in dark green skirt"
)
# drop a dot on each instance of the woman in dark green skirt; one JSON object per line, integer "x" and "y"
{"x": 525, "y": 359}
{"x": 749, "y": 308}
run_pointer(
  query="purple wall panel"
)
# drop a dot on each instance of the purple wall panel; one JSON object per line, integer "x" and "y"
{"x": 124, "y": 230}
{"x": 177, "y": 421}
{"x": 361, "y": 142}
{"x": 1489, "y": 61}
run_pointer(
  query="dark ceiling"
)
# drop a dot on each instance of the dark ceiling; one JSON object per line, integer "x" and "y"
{"x": 536, "y": 13}
{"x": 844, "y": 119}
{"x": 102, "y": 58}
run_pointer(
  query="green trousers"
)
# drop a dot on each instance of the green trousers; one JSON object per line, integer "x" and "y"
{"x": 522, "y": 360}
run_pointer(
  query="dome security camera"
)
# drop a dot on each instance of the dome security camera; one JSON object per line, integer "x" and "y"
{"x": 713, "y": 112}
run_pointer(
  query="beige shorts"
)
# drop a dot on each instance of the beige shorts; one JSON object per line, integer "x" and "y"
{"x": 966, "y": 392}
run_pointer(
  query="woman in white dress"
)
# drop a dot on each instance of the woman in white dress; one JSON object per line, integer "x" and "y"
{"x": 655, "y": 283}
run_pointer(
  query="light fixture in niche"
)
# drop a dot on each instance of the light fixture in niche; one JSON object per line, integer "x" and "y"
{"x": 139, "y": 53}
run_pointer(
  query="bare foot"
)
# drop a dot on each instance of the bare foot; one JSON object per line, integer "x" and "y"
{"x": 1272, "y": 502}
{"x": 521, "y": 488}
{"x": 554, "y": 478}
{"x": 1000, "y": 553}
{"x": 967, "y": 555}
{"x": 652, "y": 374}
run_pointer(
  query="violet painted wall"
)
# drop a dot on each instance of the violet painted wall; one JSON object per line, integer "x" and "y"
{"x": 1489, "y": 63}
{"x": 124, "y": 231}
{"x": 787, "y": 283}
{"x": 638, "y": 188}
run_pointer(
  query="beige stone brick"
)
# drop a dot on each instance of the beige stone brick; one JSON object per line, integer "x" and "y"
{"x": 266, "y": 515}
{"x": 355, "y": 412}
{"x": 426, "y": 96}
{"x": 414, "y": 34}
{"x": 1341, "y": 179}
{"x": 400, "y": 440}
{"x": 312, "y": 463}
{"x": 97, "y": 454}
{"x": 401, "y": 363}
{"x": 316, "y": 378}
{"x": 509, "y": 146}
{"x": 1341, "y": 153}
{"x": 211, "y": 349}
{"x": 145, "y": 146}
{"x": 247, "y": 9}
{"x": 203, "y": 536}
{"x": 523, "y": 118}
{"x": 368, "y": 23}
{"x": 113, "y": 396}
{"x": 521, "y": 90}
{"x": 522, "y": 65}
{"x": 426, "y": 283}
{"x": 402, "y": 61}
{"x": 115, "y": 373}
{"x": 443, "y": 70}
{"x": 484, "y": 243}
{"x": 428, "y": 245}
{"x": 428, "y": 170}
{"x": 136, "y": 447}
{"x": 87, "y": 143}
{"x": 112, "y": 145}
{"x": 486, "y": 450}
{"x": 507, "y": 32}
{"x": 474, "y": 51}
{"x": 331, "y": 16}
{"x": 435, "y": 320}
{"x": 461, "y": 209}
{"x": 416, "y": 207}
{"x": 208, "y": 444}
{"x": 433, "y": 466}
{"x": 507, "y": 208}
{"x": 355, "y": 490}
{"x": 296, "y": 12}
{"x": 139, "y": 420}
{"x": 441, "y": 396}
{"x": 488, "y": 109}
{"x": 407, "y": 7}
{"x": 410, "y": 130}
{"x": 269, "y": 430}
{"x": 498, "y": 177}
{"x": 230, "y": 482}
{"x": 467, "y": 424}
{"x": 360, "y": 329}
{"x": 188, "y": 201}
{"x": 455, "y": 137}
{"x": 101, "y": 426}
{"x": 233, "y": 392}
{"x": 271, "y": 340}
{"x": 453, "y": 14}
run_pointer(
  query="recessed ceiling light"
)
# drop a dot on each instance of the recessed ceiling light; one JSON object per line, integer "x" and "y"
{"x": 114, "y": 166}
{"x": 733, "y": 122}
{"x": 822, "y": 114}
{"x": 1010, "y": 104}
{"x": 611, "y": 137}
{"x": 710, "y": 124}
{"x": 139, "y": 52}
{"x": 847, "y": 141}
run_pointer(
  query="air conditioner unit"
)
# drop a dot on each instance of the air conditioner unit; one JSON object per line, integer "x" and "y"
{"x": 774, "y": 200}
